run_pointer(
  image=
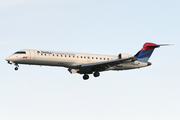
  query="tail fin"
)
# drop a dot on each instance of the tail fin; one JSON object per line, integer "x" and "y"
{"x": 145, "y": 53}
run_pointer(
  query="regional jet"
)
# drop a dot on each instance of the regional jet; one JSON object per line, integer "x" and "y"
{"x": 84, "y": 63}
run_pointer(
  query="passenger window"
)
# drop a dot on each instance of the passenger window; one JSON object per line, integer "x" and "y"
{"x": 81, "y": 57}
{"x": 84, "y": 57}
{"x": 100, "y": 58}
{"x": 107, "y": 58}
{"x": 57, "y": 55}
{"x": 45, "y": 54}
{"x": 41, "y": 54}
{"x": 73, "y": 56}
{"x": 65, "y": 55}
{"x": 92, "y": 57}
{"x": 69, "y": 56}
{"x": 77, "y": 56}
{"x": 61, "y": 55}
{"x": 96, "y": 57}
{"x": 104, "y": 58}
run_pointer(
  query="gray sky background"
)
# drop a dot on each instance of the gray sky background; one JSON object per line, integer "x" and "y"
{"x": 90, "y": 26}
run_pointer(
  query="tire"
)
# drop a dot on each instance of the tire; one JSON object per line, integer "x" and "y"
{"x": 16, "y": 68}
{"x": 96, "y": 74}
{"x": 86, "y": 77}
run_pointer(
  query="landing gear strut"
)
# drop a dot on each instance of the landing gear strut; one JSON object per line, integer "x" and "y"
{"x": 16, "y": 68}
{"x": 86, "y": 76}
{"x": 96, "y": 74}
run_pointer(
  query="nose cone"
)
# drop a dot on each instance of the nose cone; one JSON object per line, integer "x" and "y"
{"x": 8, "y": 59}
{"x": 11, "y": 58}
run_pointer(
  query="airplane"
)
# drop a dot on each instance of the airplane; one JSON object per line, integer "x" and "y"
{"x": 85, "y": 63}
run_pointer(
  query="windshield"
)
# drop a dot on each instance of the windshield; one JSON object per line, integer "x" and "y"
{"x": 20, "y": 52}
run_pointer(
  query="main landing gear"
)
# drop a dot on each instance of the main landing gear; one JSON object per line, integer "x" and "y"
{"x": 86, "y": 76}
{"x": 16, "y": 68}
{"x": 96, "y": 74}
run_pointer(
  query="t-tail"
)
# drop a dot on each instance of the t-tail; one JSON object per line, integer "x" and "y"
{"x": 145, "y": 53}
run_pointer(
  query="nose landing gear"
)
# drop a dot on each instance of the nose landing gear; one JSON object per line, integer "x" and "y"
{"x": 16, "y": 68}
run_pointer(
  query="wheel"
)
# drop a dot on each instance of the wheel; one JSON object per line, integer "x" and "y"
{"x": 96, "y": 74}
{"x": 85, "y": 77}
{"x": 16, "y": 68}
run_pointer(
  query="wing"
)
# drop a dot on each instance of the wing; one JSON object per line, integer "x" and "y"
{"x": 101, "y": 66}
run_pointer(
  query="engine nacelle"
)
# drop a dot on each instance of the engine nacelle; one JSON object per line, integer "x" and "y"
{"x": 122, "y": 55}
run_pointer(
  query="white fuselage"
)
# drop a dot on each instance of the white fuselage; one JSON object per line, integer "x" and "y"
{"x": 69, "y": 60}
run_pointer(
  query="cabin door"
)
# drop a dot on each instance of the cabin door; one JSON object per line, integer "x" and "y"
{"x": 32, "y": 54}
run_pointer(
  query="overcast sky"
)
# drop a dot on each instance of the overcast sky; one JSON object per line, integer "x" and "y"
{"x": 90, "y": 26}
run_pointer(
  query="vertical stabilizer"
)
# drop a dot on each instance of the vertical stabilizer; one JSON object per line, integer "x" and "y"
{"x": 145, "y": 53}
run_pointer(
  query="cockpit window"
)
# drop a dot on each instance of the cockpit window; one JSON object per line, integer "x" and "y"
{"x": 20, "y": 52}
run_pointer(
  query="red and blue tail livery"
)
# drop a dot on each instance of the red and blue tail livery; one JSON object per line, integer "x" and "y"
{"x": 145, "y": 53}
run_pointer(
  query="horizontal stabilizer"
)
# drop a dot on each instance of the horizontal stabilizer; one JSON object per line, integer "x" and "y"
{"x": 159, "y": 45}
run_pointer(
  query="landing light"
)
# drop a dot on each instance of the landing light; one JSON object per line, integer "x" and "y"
{"x": 10, "y": 62}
